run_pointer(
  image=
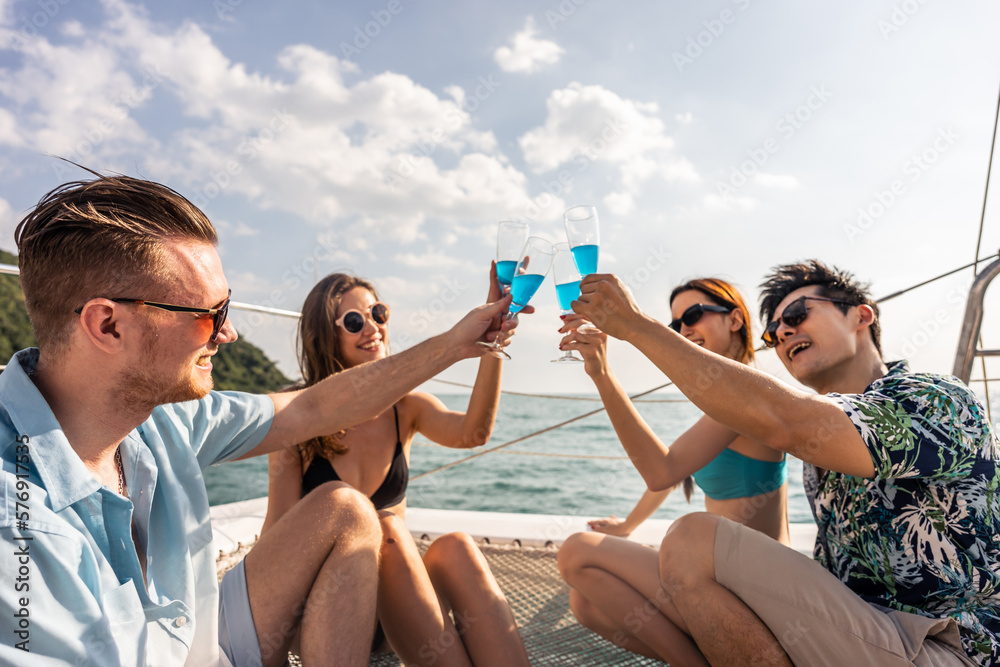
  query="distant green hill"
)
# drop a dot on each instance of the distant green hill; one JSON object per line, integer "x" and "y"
{"x": 238, "y": 366}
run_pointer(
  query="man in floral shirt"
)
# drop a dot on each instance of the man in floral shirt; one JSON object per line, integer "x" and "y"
{"x": 901, "y": 471}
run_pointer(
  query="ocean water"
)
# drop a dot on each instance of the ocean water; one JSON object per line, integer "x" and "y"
{"x": 546, "y": 474}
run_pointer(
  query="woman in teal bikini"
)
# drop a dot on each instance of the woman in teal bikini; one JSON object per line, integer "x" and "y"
{"x": 615, "y": 583}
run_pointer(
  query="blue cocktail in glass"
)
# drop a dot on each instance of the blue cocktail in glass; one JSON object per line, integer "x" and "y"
{"x": 529, "y": 273}
{"x": 567, "y": 277}
{"x": 584, "y": 238}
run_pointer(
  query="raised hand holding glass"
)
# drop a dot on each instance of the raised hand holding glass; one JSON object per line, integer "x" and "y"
{"x": 532, "y": 266}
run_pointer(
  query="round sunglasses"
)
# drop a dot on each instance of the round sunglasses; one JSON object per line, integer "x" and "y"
{"x": 794, "y": 314}
{"x": 353, "y": 321}
{"x": 691, "y": 316}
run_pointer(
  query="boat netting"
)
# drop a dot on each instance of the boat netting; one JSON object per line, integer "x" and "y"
{"x": 539, "y": 599}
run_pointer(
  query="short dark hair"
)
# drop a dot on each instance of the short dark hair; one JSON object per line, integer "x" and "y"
{"x": 98, "y": 238}
{"x": 833, "y": 283}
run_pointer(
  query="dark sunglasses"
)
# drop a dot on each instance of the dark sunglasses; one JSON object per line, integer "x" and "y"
{"x": 691, "y": 316}
{"x": 794, "y": 314}
{"x": 353, "y": 321}
{"x": 219, "y": 314}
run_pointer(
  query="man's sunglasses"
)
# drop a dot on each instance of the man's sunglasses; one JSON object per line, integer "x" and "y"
{"x": 794, "y": 314}
{"x": 353, "y": 321}
{"x": 691, "y": 316}
{"x": 219, "y": 314}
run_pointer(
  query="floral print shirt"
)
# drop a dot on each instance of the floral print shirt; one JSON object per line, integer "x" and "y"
{"x": 923, "y": 536}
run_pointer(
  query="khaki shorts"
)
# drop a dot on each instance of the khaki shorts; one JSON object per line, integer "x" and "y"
{"x": 816, "y": 618}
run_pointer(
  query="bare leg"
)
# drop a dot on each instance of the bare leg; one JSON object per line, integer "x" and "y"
{"x": 621, "y": 579}
{"x": 420, "y": 631}
{"x": 726, "y": 630}
{"x": 589, "y": 616}
{"x": 317, "y": 568}
{"x": 463, "y": 579}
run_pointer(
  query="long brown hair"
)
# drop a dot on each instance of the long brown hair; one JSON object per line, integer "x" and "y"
{"x": 722, "y": 294}
{"x": 318, "y": 346}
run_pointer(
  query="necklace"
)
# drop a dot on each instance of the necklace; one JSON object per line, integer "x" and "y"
{"x": 121, "y": 471}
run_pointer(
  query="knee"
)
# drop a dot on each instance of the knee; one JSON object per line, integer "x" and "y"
{"x": 454, "y": 550}
{"x": 687, "y": 550}
{"x": 342, "y": 509}
{"x": 573, "y": 554}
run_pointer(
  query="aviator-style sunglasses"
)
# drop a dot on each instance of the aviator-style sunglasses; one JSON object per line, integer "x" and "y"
{"x": 794, "y": 314}
{"x": 353, "y": 321}
{"x": 219, "y": 314}
{"x": 691, "y": 316}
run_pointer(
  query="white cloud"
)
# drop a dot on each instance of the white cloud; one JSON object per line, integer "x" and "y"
{"x": 593, "y": 124}
{"x": 783, "y": 181}
{"x": 720, "y": 203}
{"x": 685, "y": 118}
{"x": 620, "y": 203}
{"x": 527, "y": 53}
{"x": 8, "y": 223}
{"x": 317, "y": 138}
{"x": 435, "y": 260}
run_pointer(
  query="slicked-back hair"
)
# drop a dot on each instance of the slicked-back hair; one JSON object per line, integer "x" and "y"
{"x": 833, "y": 283}
{"x": 99, "y": 238}
{"x": 318, "y": 345}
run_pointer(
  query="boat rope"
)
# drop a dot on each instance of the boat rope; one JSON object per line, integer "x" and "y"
{"x": 521, "y": 452}
{"x": 563, "y": 398}
{"x": 529, "y": 436}
{"x": 935, "y": 278}
{"x": 979, "y": 241}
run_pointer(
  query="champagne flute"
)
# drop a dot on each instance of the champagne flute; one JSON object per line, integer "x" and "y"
{"x": 567, "y": 279}
{"x": 532, "y": 265}
{"x": 583, "y": 236}
{"x": 511, "y": 237}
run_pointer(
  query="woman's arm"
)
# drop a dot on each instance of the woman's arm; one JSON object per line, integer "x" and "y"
{"x": 462, "y": 430}
{"x": 644, "y": 509}
{"x": 661, "y": 467}
{"x": 284, "y": 484}
{"x": 473, "y": 427}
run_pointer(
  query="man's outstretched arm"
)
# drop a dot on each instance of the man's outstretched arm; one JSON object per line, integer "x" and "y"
{"x": 361, "y": 393}
{"x": 811, "y": 427}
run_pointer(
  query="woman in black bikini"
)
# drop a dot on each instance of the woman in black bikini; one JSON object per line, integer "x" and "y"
{"x": 343, "y": 325}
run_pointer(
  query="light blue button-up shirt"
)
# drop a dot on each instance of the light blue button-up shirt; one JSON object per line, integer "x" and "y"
{"x": 71, "y": 588}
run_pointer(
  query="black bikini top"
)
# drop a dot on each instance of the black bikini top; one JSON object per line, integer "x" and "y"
{"x": 393, "y": 488}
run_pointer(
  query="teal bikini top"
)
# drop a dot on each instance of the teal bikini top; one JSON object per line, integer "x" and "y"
{"x": 733, "y": 475}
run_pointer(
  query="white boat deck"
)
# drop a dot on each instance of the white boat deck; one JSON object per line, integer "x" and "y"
{"x": 239, "y": 524}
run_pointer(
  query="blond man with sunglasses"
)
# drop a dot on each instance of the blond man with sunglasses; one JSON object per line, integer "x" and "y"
{"x": 106, "y": 427}
{"x": 901, "y": 470}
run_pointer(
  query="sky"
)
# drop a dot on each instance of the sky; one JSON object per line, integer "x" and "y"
{"x": 387, "y": 138}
